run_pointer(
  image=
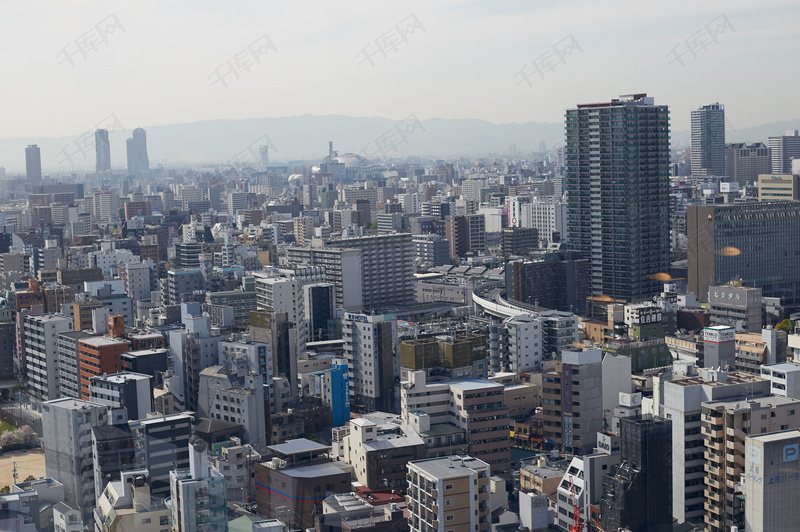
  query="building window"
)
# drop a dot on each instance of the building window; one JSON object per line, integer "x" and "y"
{"x": 448, "y": 502}
{"x": 450, "y": 517}
{"x": 448, "y": 486}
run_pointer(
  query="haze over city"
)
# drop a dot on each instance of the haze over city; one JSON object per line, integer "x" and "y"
{"x": 155, "y": 65}
{"x": 445, "y": 266}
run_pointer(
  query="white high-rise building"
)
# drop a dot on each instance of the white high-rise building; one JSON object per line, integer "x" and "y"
{"x": 41, "y": 353}
{"x": 136, "y": 276}
{"x": 67, "y": 441}
{"x": 549, "y": 216}
{"x": 522, "y": 344}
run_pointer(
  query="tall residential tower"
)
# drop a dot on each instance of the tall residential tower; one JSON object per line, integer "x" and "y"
{"x": 617, "y": 179}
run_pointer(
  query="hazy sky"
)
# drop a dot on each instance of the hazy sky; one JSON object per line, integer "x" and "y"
{"x": 154, "y": 62}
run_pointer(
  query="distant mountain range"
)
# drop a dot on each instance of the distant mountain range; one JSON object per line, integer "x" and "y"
{"x": 306, "y": 137}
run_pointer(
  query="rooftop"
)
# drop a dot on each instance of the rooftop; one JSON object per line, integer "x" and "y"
{"x": 734, "y": 377}
{"x": 321, "y": 469}
{"x": 778, "y": 436}
{"x": 101, "y": 341}
{"x": 787, "y": 367}
{"x": 449, "y": 466}
{"x": 300, "y": 445}
{"x": 741, "y": 405}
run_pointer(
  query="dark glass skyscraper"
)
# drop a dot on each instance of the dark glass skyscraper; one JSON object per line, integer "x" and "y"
{"x": 617, "y": 180}
{"x": 138, "y": 163}
{"x": 102, "y": 151}
{"x": 637, "y": 493}
{"x": 708, "y": 140}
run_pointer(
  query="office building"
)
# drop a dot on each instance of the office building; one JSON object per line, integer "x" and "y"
{"x": 683, "y": 405}
{"x": 379, "y": 452}
{"x": 237, "y": 202}
{"x": 784, "y": 379}
{"x": 466, "y": 235}
{"x": 721, "y": 248}
{"x": 572, "y": 397}
{"x": 736, "y": 306}
{"x": 161, "y": 445}
{"x": 320, "y": 311}
{"x": 102, "y": 151}
{"x": 132, "y": 391}
{"x": 449, "y": 493}
{"x": 708, "y": 140}
{"x": 476, "y": 406}
{"x": 99, "y": 355}
{"x": 778, "y": 187}
{"x": 431, "y": 250}
{"x": 637, "y": 493}
{"x": 235, "y": 394}
{"x": 179, "y": 283}
{"x": 192, "y": 349}
{"x": 445, "y": 356}
{"x": 113, "y": 449}
{"x": 33, "y": 163}
{"x": 8, "y": 332}
{"x": 557, "y": 281}
{"x": 784, "y": 149}
{"x": 198, "y": 499}
{"x": 745, "y": 162}
{"x": 770, "y": 482}
{"x": 296, "y": 479}
{"x": 369, "y": 349}
{"x": 138, "y": 162}
{"x": 67, "y": 439}
{"x": 719, "y": 347}
{"x": 343, "y": 269}
{"x": 625, "y": 199}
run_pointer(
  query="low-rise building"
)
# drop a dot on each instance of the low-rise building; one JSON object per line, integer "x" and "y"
{"x": 449, "y": 493}
{"x": 379, "y": 452}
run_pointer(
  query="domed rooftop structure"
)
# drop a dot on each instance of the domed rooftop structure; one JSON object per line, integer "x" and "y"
{"x": 352, "y": 159}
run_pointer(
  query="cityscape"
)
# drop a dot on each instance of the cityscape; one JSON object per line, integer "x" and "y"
{"x": 266, "y": 299}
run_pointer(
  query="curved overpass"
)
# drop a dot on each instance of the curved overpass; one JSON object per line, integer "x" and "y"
{"x": 488, "y": 297}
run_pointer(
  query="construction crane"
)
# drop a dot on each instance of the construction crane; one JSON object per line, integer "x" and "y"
{"x": 576, "y": 511}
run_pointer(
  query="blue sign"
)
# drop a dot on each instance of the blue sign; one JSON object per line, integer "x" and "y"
{"x": 790, "y": 452}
